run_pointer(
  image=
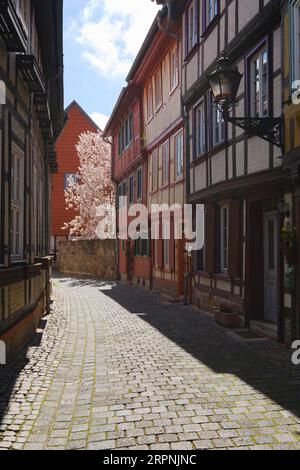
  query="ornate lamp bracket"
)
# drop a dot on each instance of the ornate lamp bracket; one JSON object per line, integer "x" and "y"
{"x": 269, "y": 129}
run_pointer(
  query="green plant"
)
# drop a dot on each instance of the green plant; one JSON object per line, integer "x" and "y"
{"x": 288, "y": 235}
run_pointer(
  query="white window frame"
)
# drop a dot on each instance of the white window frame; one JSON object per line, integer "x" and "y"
{"x": 166, "y": 163}
{"x": 200, "y": 129}
{"x": 149, "y": 99}
{"x": 21, "y": 12}
{"x": 192, "y": 25}
{"x": 179, "y": 154}
{"x": 218, "y": 126}
{"x": 174, "y": 68}
{"x": 158, "y": 98}
{"x": 17, "y": 204}
{"x": 257, "y": 92}
{"x": 131, "y": 190}
{"x": 295, "y": 40}
{"x": 155, "y": 157}
{"x": 224, "y": 238}
{"x": 166, "y": 245}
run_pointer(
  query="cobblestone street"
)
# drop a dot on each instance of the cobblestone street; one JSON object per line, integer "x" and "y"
{"x": 116, "y": 367}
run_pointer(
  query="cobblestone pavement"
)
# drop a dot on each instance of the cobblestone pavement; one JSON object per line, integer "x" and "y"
{"x": 117, "y": 367}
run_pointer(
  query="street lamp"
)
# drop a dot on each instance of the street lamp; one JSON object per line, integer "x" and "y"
{"x": 224, "y": 82}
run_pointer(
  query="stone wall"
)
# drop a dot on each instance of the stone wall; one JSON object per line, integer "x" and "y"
{"x": 96, "y": 258}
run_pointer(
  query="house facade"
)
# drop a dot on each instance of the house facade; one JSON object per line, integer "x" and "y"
{"x": 148, "y": 164}
{"x": 238, "y": 177}
{"x": 77, "y": 122}
{"x": 31, "y": 65}
{"x": 160, "y": 78}
{"x": 129, "y": 172}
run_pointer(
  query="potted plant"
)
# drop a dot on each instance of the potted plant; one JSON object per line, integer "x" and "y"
{"x": 289, "y": 238}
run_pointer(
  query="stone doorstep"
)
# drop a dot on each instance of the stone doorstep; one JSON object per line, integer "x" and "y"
{"x": 230, "y": 320}
{"x": 264, "y": 328}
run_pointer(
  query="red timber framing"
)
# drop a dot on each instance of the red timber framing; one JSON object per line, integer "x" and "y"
{"x": 156, "y": 71}
{"x": 129, "y": 170}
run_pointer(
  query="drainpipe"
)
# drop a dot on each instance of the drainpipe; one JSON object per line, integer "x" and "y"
{"x": 189, "y": 274}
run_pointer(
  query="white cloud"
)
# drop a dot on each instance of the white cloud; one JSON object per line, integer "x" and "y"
{"x": 100, "y": 119}
{"x": 112, "y": 31}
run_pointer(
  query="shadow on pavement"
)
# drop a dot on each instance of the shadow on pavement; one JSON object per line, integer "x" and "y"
{"x": 10, "y": 373}
{"x": 266, "y": 366}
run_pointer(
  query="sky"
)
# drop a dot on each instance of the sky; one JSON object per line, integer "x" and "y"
{"x": 101, "y": 40}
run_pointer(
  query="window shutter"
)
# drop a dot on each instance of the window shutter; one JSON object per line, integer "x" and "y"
{"x": 235, "y": 239}
{"x": 172, "y": 245}
{"x": 210, "y": 238}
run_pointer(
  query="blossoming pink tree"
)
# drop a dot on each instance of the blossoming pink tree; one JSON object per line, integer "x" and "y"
{"x": 92, "y": 186}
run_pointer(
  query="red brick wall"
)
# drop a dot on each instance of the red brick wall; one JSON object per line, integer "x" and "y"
{"x": 68, "y": 162}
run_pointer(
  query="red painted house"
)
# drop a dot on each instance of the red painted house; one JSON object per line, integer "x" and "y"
{"x": 129, "y": 172}
{"x": 78, "y": 121}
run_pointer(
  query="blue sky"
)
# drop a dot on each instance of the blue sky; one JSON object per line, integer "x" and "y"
{"x": 101, "y": 39}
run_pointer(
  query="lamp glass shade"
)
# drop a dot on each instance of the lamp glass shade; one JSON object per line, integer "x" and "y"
{"x": 225, "y": 82}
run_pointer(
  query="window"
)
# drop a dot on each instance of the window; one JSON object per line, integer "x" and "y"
{"x": 17, "y": 202}
{"x": 154, "y": 171}
{"x": 70, "y": 179}
{"x": 142, "y": 247}
{"x": 259, "y": 102}
{"x": 295, "y": 40}
{"x": 125, "y": 134}
{"x": 158, "y": 89}
{"x": 149, "y": 101}
{"x": 192, "y": 26}
{"x": 165, "y": 163}
{"x": 179, "y": 154}
{"x": 122, "y": 192}
{"x": 131, "y": 190}
{"x": 218, "y": 126}
{"x": 166, "y": 245}
{"x": 200, "y": 129}
{"x": 139, "y": 193}
{"x": 174, "y": 69}
{"x": 212, "y": 10}
{"x": 22, "y": 12}
{"x": 224, "y": 225}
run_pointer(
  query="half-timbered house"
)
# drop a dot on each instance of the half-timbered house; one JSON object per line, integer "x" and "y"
{"x": 31, "y": 115}
{"x": 291, "y": 159}
{"x": 129, "y": 172}
{"x": 238, "y": 177}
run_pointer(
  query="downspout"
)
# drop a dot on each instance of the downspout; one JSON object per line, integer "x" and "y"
{"x": 189, "y": 274}
{"x": 117, "y": 264}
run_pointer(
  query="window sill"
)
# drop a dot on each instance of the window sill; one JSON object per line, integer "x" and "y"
{"x": 191, "y": 53}
{"x": 150, "y": 119}
{"x": 172, "y": 91}
{"x": 210, "y": 26}
{"x": 158, "y": 108}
